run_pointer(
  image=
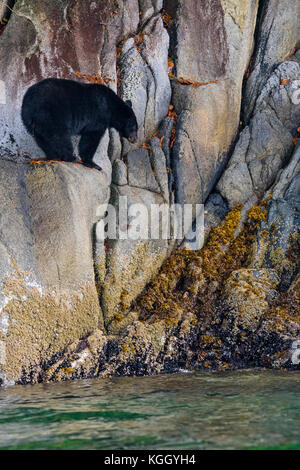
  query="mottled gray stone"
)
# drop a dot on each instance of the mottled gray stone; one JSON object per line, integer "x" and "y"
{"x": 211, "y": 42}
{"x": 135, "y": 77}
{"x": 119, "y": 173}
{"x": 215, "y": 211}
{"x": 148, "y": 8}
{"x": 278, "y": 34}
{"x": 164, "y": 133}
{"x": 140, "y": 172}
{"x": 114, "y": 146}
{"x": 145, "y": 80}
{"x": 155, "y": 52}
{"x": 132, "y": 263}
{"x": 159, "y": 166}
{"x": 264, "y": 146}
{"x": 47, "y": 214}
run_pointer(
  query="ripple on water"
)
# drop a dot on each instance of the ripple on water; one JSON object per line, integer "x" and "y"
{"x": 232, "y": 410}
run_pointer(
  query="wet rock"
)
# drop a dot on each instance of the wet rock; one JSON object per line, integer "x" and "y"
{"x": 277, "y": 242}
{"x": 246, "y": 298}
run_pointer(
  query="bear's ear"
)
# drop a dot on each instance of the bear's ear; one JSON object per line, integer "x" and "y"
{"x": 129, "y": 103}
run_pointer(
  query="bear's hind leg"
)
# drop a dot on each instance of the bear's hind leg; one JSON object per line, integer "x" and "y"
{"x": 58, "y": 147}
{"x": 87, "y": 148}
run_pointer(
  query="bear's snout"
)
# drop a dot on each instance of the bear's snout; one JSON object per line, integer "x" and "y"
{"x": 132, "y": 138}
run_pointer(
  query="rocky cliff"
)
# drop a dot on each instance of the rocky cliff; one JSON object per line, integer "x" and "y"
{"x": 215, "y": 86}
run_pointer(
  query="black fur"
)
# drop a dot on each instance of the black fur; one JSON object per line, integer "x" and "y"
{"x": 55, "y": 109}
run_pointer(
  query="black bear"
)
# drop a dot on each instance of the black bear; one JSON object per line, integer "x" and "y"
{"x": 55, "y": 109}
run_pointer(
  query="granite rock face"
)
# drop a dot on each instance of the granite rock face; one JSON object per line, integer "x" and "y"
{"x": 134, "y": 255}
{"x": 86, "y": 291}
{"x": 278, "y": 35}
{"x": 216, "y": 48}
{"x": 144, "y": 76}
{"x": 266, "y": 145}
{"x": 48, "y": 294}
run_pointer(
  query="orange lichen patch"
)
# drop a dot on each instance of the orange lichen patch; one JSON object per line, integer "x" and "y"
{"x": 249, "y": 70}
{"x": 167, "y": 19}
{"x": 173, "y": 138}
{"x": 38, "y": 161}
{"x": 196, "y": 84}
{"x": 102, "y": 80}
{"x": 298, "y": 130}
{"x": 185, "y": 81}
{"x": 146, "y": 146}
{"x": 284, "y": 81}
{"x": 44, "y": 161}
{"x": 118, "y": 317}
{"x": 138, "y": 39}
{"x": 170, "y": 65}
{"x": 293, "y": 52}
{"x": 172, "y": 114}
{"x": 295, "y": 140}
{"x": 113, "y": 13}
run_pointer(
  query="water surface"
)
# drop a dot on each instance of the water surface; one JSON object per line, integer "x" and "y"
{"x": 234, "y": 410}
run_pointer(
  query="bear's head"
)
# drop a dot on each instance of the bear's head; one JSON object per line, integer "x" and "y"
{"x": 130, "y": 127}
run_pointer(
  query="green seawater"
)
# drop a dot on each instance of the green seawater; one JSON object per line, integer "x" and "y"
{"x": 232, "y": 410}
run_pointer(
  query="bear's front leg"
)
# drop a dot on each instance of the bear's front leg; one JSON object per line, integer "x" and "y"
{"x": 87, "y": 148}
